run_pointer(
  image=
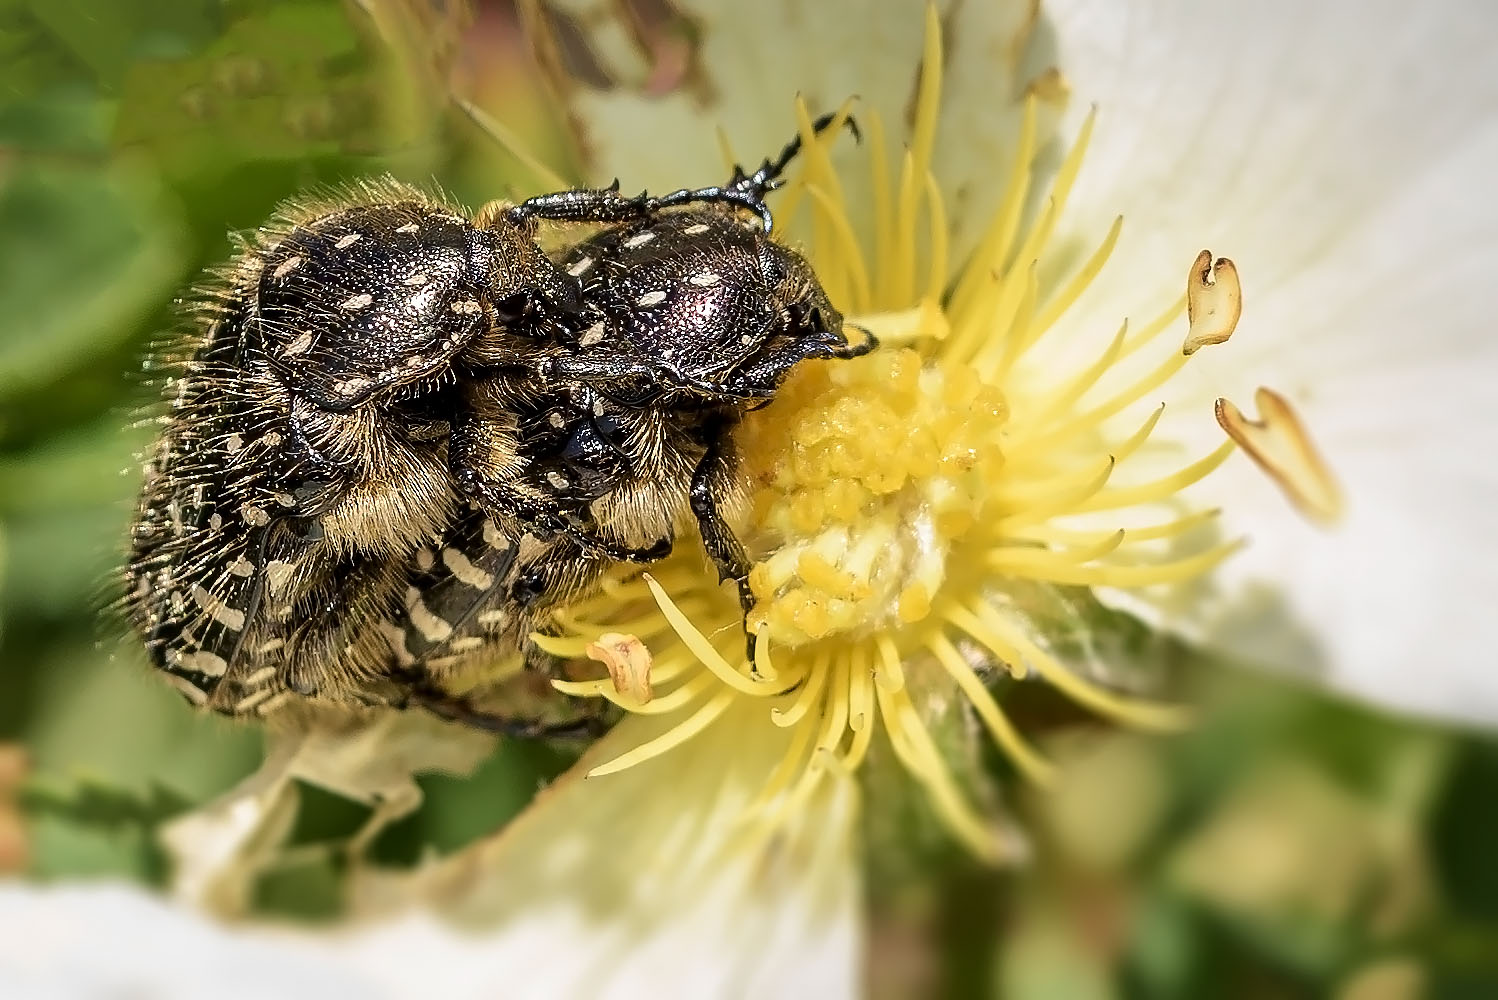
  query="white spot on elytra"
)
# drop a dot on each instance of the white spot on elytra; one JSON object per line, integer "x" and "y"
{"x": 285, "y": 499}
{"x": 348, "y": 241}
{"x": 302, "y": 342}
{"x": 557, "y": 420}
{"x": 272, "y": 440}
{"x": 425, "y": 559}
{"x": 350, "y": 386}
{"x": 234, "y": 443}
{"x": 242, "y": 567}
{"x": 464, "y": 569}
{"x": 195, "y": 694}
{"x": 287, "y": 266}
{"x": 220, "y": 612}
{"x": 696, "y": 230}
{"x": 651, "y": 299}
{"x": 557, "y": 480}
{"x": 215, "y": 521}
{"x": 592, "y": 335}
{"x": 409, "y": 227}
{"x": 278, "y": 575}
{"x": 203, "y": 663}
{"x": 638, "y": 240}
{"x": 493, "y": 537}
{"x": 578, "y": 269}
{"x": 356, "y": 302}
{"x": 467, "y": 307}
{"x": 418, "y": 278}
{"x": 253, "y": 515}
{"x": 705, "y": 279}
{"x": 432, "y": 627}
{"x": 397, "y": 640}
{"x": 264, "y": 674}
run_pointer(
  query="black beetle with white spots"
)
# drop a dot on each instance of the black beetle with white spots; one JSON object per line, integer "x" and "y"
{"x": 397, "y": 437}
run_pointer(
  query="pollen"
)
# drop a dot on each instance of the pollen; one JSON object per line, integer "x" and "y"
{"x": 896, "y": 503}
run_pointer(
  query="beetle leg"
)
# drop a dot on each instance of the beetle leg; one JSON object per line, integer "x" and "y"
{"x": 710, "y": 480}
{"x": 767, "y": 177}
{"x": 608, "y": 205}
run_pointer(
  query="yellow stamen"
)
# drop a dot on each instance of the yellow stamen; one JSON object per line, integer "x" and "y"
{"x": 894, "y": 498}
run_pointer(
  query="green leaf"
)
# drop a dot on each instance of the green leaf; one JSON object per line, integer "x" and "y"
{"x": 88, "y": 254}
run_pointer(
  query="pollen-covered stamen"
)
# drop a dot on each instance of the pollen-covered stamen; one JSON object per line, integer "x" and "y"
{"x": 1280, "y": 445}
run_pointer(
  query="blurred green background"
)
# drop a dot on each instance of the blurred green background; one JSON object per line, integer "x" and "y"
{"x": 1289, "y": 847}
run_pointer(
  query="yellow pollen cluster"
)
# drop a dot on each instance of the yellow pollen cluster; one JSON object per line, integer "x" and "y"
{"x": 866, "y": 474}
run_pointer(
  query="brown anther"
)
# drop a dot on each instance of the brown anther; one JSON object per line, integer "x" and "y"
{"x": 628, "y": 661}
{"x": 1279, "y": 444}
{"x": 1214, "y": 301}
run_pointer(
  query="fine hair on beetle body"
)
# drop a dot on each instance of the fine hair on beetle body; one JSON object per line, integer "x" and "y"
{"x": 398, "y": 436}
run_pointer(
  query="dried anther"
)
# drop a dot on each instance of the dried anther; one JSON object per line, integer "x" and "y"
{"x": 1279, "y": 444}
{"x": 1214, "y": 301}
{"x": 628, "y": 661}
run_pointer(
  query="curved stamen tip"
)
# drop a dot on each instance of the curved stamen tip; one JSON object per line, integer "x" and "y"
{"x": 1279, "y": 443}
{"x": 628, "y": 661}
{"x": 1214, "y": 302}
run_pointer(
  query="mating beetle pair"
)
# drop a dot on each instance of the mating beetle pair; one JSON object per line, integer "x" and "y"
{"x": 399, "y": 437}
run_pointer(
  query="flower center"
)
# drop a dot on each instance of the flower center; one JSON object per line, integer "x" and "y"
{"x": 898, "y": 503}
{"x": 867, "y": 474}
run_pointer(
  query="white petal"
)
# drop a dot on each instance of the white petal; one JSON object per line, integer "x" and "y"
{"x": 1341, "y": 154}
{"x": 639, "y": 884}
{"x": 643, "y": 883}
{"x": 751, "y": 60}
{"x": 96, "y": 941}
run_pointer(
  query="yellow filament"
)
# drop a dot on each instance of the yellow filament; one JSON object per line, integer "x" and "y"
{"x": 704, "y": 650}
{"x": 891, "y": 674}
{"x": 989, "y": 628}
{"x": 884, "y": 223}
{"x": 1155, "y": 327}
{"x": 1062, "y": 399}
{"x": 849, "y": 252}
{"x": 1081, "y": 554}
{"x": 1025, "y": 502}
{"x": 993, "y": 248}
{"x": 787, "y": 768}
{"x": 810, "y": 694}
{"x": 1159, "y": 489}
{"x": 918, "y": 754}
{"x": 1047, "y": 533}
{"x": 936, "y": 281}
{"x": 860, "y": 707}
{"x": 659, "y": 705}
{"x": 999, "y": 727}
{"x": 1067, "y": 297}
{"x": 1118, "y": 576}
{"x": 671, "y": 739}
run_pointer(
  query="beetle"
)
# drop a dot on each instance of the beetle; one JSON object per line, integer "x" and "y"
{"x": 399, "y": 436}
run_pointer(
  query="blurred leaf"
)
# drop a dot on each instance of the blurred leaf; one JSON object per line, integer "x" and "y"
{"x": 106, "y": 719}
{"x": 107, "y": 36}
{"x": 88, "y": 469}
{"x": 63, "y": 849}
{"x": 88, "y": 253}
{"x": 89, "y": 803}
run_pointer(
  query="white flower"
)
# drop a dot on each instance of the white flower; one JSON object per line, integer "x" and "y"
{"x": 1339, "y": 152}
